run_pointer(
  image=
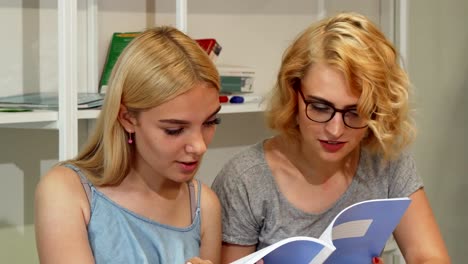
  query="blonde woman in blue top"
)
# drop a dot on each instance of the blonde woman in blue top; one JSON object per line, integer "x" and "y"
{"x": 130, "y": 196}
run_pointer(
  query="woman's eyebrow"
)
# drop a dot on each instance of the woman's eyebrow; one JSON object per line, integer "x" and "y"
{"x": 185, "y": 122}
{"x": 322, "y": 100}
{"x": 215, "y": 112}
{"x": 174, "y": 121}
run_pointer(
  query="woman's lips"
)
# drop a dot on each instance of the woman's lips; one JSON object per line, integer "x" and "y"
{"x": 331, "y": 146}
{"x": 189, "y": 166}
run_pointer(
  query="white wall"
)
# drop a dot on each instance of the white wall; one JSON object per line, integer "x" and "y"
{"x": 438, "y": 67}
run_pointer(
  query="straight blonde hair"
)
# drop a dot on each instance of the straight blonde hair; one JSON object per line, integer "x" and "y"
{"x": 158, "y": 65}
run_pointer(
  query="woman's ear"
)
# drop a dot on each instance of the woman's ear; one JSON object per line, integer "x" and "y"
{"x": 127, "y": 119}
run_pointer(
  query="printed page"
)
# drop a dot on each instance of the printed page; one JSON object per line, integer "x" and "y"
{"x": 298, "y": 250}
{"x": 360, "y": 231}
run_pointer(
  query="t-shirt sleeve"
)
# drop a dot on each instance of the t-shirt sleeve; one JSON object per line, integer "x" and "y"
{"x": 240, "y": 226}
{"x": 405, "y": 179}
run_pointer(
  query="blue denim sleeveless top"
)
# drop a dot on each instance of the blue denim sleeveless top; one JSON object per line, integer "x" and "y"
{"x": 118, "y": 235}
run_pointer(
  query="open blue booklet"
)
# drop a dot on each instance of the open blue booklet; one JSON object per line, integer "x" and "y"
{"x": 355, "y": 236}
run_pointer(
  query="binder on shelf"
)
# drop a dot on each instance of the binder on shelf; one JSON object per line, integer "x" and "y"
{"x": 236, "y": 79}
{"x": 48, "y": 101}
{"x": 118, "y": 43}
{"x": 120, "y": 40}
{"x": 211, "y": 46}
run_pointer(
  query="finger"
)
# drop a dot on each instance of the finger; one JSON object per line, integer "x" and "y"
{"x": 259, "y": 262}
{"x": 377, "y": 260}
{"x": 197, "y": 260}
{"x": 194, "y": 260}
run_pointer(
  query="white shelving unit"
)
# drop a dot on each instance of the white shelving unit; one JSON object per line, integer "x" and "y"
{"x": 35, "y": 119}
{"x": 65, "y": 119}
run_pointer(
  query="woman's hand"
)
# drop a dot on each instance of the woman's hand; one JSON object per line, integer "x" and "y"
{"x": 197, "y": 260}
{"x": 375, "y": 260}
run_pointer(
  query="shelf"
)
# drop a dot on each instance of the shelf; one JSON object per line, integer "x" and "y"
{"x": 42, "y": 119}
{"x": 225, "y": 109}
{"x": 88, "y": 113}
{"x": 241, "y": 108}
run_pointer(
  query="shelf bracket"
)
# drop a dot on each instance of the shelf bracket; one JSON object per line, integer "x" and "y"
{"x": 181, "y": 15}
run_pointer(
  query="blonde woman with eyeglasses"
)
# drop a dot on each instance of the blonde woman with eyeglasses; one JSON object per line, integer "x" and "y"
{"x": 340, "y": 107}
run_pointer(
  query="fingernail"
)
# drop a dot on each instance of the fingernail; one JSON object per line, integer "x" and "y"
{"x": 376, "y": 260}
{"x": 188, "y": 262}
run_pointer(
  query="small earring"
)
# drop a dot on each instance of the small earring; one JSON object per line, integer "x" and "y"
{"x": 130, "y": 141}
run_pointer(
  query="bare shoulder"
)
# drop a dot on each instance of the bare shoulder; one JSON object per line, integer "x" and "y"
{"x": 60, "y": 180}
{"x": 62, "y": 185}
{"x": 209, "y": 199}
{"x": 59, "y": 174}
{"x": 60, "y": 201}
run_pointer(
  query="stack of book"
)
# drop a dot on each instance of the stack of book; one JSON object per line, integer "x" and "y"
{"x": 236, "y": 79}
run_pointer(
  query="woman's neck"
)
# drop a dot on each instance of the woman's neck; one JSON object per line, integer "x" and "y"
{"x": 315, "y": 169}
{"x": 143, "y": 179}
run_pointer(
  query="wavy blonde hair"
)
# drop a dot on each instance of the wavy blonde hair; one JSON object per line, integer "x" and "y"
{"x": 158, "y": 65}
{"x": 352, "y": 44}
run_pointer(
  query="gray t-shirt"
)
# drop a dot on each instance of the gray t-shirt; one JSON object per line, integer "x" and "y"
{"x": 254, "y": 211}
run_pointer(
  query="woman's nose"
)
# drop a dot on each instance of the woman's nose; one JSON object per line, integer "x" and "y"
{"x": 335, "y": 127}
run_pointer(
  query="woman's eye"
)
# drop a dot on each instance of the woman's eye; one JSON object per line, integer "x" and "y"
{"x": 176, "y": 132}
{"x": 353, "y": 113}
{"x": 213, "y": 122}
{"x": 173, "y": 132}
{"x": 321, "y": 107}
